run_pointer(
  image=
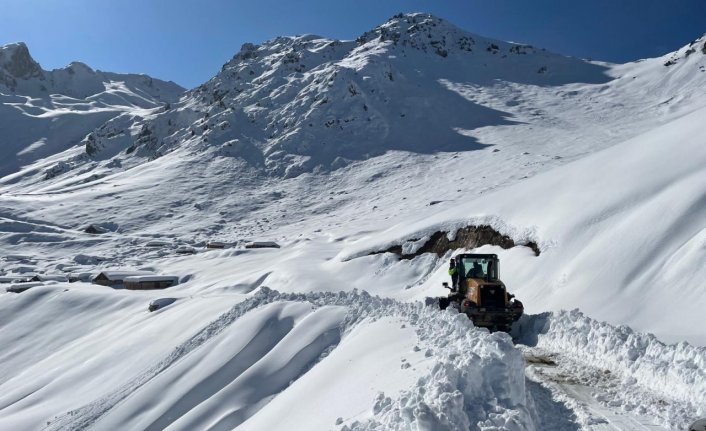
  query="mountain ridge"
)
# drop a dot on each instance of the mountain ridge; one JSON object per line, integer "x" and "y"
{"x": 279, "y": 94}
{"x": 43, "y": 113}
{"x": 18, "y": 69}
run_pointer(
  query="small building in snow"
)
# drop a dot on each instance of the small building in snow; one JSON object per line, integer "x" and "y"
{"x": 262, "y": 244}
{"x": 14, "y": 278}
{"x": 144, "y": 282}
{"x": 21, "y": 287}
{"x": 80, "y": 276}
{"x": 215, "y": 244}
{"x": 116, "y": 278}
{"x": 49, "y": 277}
{"x": 156, "y": 304}
{"x": 185, "y": 249}
{"x": 158, "y": 243}
{"x": 94, "y": 229}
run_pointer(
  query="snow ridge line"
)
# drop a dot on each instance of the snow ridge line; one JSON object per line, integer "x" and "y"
{"x": 674, "y": 372}
{"x": 478, "y": 377}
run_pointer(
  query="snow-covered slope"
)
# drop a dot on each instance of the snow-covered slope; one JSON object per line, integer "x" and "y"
{"x": 617, "y": 229}
{"x": 45, "y": 112}
{"x": 297, "y": 104}
{"x": 340, "y": 149}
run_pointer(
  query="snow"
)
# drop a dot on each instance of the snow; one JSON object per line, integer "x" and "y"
{"x": 650, "y": 214}
{"x": 158, "y": 303}
{"x": 43, "y": 113}
{"x": 118, "y": 275}
{"x": 648, "y": 376}
{"x": 336, "y": 150}
{"x": 262, "y": 244}
{"x": 140, "y": 278}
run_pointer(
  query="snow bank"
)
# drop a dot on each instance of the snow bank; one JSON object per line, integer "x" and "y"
{"x": 477, "y": 378}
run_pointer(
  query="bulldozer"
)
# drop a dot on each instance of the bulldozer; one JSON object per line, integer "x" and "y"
{"x": 478, "y": 292}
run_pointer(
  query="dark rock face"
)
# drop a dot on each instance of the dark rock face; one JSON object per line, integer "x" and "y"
{"x": 467, "y": 237}
{"x": 17, "y": 63}
{"x": 95, "y": 230}
{"x": 21, "y": 64}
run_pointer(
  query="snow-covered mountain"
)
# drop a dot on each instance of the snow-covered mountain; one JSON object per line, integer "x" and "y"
{"x": 296, "y": 104}
{"x": 589, "y": 177}
{"x": 45, "y": 112}
{"x": 21, "y": 74}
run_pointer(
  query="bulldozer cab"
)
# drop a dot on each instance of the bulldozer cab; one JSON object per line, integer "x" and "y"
{"x": 480, "y": 266}
{"x": 478, "y": 280}
{"x": 480, "y": 294}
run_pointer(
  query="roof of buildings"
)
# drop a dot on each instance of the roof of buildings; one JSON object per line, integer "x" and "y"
{"x": 145, "y": 278}
{"x": 121, "y": 275}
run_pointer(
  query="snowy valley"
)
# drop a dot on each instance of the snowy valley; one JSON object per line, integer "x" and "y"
{"x": 590, "y": 177}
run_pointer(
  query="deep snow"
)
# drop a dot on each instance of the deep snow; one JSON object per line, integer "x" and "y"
{"x": 336, "y": 149}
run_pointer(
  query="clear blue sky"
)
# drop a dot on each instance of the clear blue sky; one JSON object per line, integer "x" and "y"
{"x": 187, "y": 41}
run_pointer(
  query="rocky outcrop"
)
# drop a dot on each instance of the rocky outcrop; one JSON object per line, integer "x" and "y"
{"x": 17, "y": 63}
{"x": 465, "y": 238}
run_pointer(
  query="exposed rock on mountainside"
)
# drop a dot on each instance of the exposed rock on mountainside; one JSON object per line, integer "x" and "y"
{"x": 43, "y": 113}
{"x": 21, "y": 74}
{"x": 16, "y": 63}
{"x": 468, "y": 237}
{"x": 306, "y": 103}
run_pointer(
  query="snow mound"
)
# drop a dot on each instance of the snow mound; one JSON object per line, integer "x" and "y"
{"x": 476, "y": 378}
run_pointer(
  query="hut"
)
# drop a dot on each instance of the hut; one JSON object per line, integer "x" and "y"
{"x": 80, "y": 276}
{"x": 116, "y": 278}
{"x": 14, "y": 278}
{"x": 157, "y": 243}
{"x": 185, "y": 249}
{"x": 144, "y": 282}
{"x": 215, "y": 244}
{"x": 49, "y": 277}
{"x": 158, "y": 303}
{"x": 262, "y": 244}
{"x": 21, "y": 287}
{"x": 94, "y": 229}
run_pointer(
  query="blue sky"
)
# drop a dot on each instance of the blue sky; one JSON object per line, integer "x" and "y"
{"x": 187, "y": 41}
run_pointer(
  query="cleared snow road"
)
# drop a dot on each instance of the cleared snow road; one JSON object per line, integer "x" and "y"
{"x": 587, "y": 392}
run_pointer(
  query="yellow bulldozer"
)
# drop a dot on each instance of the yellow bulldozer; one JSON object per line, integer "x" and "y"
{"x": 477, "y": 292}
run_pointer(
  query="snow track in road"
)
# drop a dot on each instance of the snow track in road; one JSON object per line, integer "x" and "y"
{"x": 586, "y": 391}
{"x": 613, "y": 377}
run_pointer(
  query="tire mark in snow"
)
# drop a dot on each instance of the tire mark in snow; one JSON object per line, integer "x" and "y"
{"x": 613, "y": 420}
{"x": 629, "y": 371}
{"x": 582, "y": 389}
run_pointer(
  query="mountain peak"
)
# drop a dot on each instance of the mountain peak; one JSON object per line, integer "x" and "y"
{"x": 420, "y": 31}
{"x": 411, "y": 18}
{"x": 79, "y": 65}
{"x": 16, "y": 62}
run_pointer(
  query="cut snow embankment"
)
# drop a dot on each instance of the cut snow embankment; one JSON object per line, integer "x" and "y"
{"x": 616, "y": 229}
{"x": 453, "y": 376}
